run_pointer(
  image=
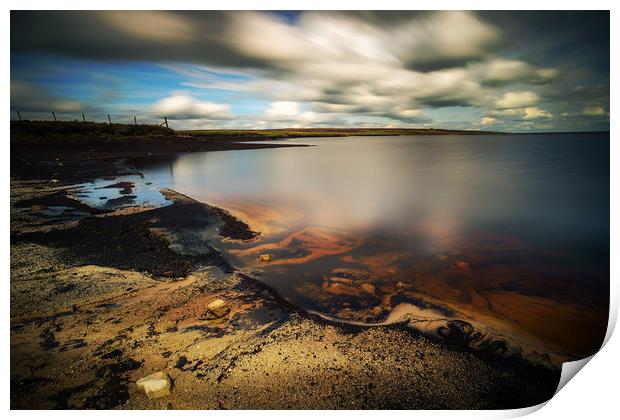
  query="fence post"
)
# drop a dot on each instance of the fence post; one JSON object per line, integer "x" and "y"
{"x": 54, "y": 115}
{"x": 135, "y": 122}
{"x": 83, "y": 117}
{"x": 109, "y": 119}
{"x": 19, "y": 115}
{"x": 166, "y": 121}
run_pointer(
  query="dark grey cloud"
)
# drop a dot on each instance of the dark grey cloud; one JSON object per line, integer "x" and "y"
{"x": 197, "y": 37}
{"x": 555, "y": 38}
{"x": 27, "y": 97}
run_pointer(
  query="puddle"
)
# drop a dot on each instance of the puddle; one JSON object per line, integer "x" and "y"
{"x": 125, "y": 191}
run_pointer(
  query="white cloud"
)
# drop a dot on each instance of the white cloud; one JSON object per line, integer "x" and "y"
{"x": 282, "y": 110}
{"x": 594, "y": 111}
{"x": 487, "y": 121}
{"x": 410, "y": 113}
{"x": 188, "y": 107}
{"x": 523, "y": 113}
{"x": 290, "y": 114}
{"x": 535, "y": 113}
{"x": 517, "y": 100}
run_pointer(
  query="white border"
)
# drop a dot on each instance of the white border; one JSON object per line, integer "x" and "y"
{"x": 592, "y": 394}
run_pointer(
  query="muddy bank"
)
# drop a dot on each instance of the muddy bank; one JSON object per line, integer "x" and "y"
{"x": 103, "y": 297}
{"x": 87, "y": 160}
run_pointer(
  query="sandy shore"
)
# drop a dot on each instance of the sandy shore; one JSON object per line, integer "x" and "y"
{"x": 102, "y": 298}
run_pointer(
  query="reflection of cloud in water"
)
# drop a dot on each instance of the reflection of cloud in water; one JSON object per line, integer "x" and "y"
{"x": 106, "y": 193}
{"x": 266, "y": 219}
{"x": 337, "y": 185}
{"x": 382, "y": 283}
{"x": 302, "y": 246}
{"x": 440, "y": 232}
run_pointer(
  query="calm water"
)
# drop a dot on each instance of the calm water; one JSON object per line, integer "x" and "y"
{"x": 513, "y": 228}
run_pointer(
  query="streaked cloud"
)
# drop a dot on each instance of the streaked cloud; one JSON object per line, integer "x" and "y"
{"x": 32, "y": 98}
{"x": 326, "y": 68}
{"x": 162, "y": 27}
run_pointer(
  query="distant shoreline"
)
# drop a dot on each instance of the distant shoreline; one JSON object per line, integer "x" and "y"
{"x": 334, "y": 132}
{"x": 92, "y": 133}
{"x": 561, "y": 132}
{"x": 90, "y": 140}
{"x": 41, "y": 133}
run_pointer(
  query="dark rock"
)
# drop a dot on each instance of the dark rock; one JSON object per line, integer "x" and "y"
{"x": 182, "y": 361}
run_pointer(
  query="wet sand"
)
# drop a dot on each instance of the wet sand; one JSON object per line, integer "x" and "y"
{"x": 103, "y": 297}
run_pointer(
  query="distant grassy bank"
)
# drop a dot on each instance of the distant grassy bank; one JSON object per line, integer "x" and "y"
{"x": 328, "y": 132}
{"x": 71, "y": 132}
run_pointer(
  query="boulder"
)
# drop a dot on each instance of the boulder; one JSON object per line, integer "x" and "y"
{"x": 157, "y": 385}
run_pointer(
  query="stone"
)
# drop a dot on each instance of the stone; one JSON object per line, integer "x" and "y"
{"x": 157, "y": 385}
{"x": 266, "y": 257}
{"x": 368, "y": 288}
{"x": 218, "y": 307}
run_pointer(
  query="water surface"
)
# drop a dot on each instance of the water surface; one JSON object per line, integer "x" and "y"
{"x": 509, "y": 231}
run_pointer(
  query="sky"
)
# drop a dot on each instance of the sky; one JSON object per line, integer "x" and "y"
{"x": 501, "y": 71}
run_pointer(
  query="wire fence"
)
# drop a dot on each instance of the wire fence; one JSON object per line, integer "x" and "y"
{"x": 72, "y": 117}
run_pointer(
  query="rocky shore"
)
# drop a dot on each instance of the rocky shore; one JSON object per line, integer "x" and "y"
{"x": 102, "y": 299}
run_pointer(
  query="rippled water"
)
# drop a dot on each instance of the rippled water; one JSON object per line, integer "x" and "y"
{"x": 511, "y": 231}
